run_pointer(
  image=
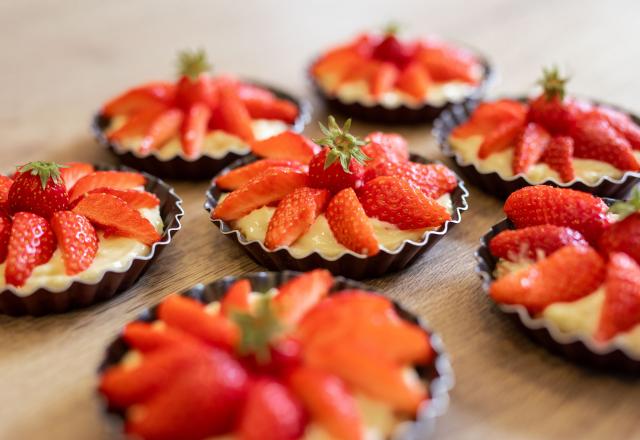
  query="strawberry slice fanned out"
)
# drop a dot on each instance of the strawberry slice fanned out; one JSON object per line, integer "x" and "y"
{"x": 286, "y": 145}
{"x": 237, "y": 177}
{"x": 106, "y": 179}
{"x": 350, "y": 225}
{"x": 622, "y": 123}
{"x": 165, "y": 126}
{"x": 236, "y": 299}
{"x": 134, "y": 198}
{"x": 434, "y": 179}
{"x": 141, "y": 97}
{"x": 31, "y": 244}
{"x": 559, "y": 157}
{"x": 528, "y": 242}
{"x": 299, "y": 295}
{"x": 194, "y": 129}
{"x": 114, "y": 215}
{"x": 530, "y": 146}
{"x": 77, "y": 240}
{"x": 74, "y": 171}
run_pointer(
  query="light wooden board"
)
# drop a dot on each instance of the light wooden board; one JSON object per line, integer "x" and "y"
{"x": 62, "y": 59}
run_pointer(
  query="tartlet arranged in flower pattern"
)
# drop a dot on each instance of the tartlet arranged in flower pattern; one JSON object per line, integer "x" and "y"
{"x": 246, "y": 358}
{"x": 61, "y": 224}
{"x": 550, "y": 138}
{"x": 364, "y": 199}
{"x": 193, "y": 127}
{"x": 385, "y": 78}
{"x": 571, "y": 264}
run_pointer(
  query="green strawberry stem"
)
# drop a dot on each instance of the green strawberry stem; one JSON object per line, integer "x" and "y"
{"x": 258, "y": 329}
{"x": 343, "y": 146}
{"x": 193, "y": 63}
{"x": 552, "y": 83}
{"x": 44, "y": 170}
{"x": 624, "y": 209}
{"x": 391, "y": 28}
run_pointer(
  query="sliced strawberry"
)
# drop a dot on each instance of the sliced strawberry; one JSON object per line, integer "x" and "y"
{"x": 393, "y": 144}
{"x": 5, "y": 233}
{"x": 146, "y": 337}
{"x": 278, "y": 109}
{"x": 31, "y": 244}
{"x": 621, "y": 308}
{"x": 106, "y": 179}
{"x": 527, "y": 242}
{"x": 194, "y": 129}
{"x": 137, "y": 124}
{"x": 445, "y": 63}
{"x": 236, "y": 298}
{"x": 74, "y": 171}
{"x": 165, "y": 126}
{"x": 200, "y": 401}
{"x": 296, "y": 297}
{"x": 76, "y": 239}
{"x": 329, "y": 402}
{"x": 5, "y": 187}
{"x": 190, "y": 316}
{"x": 369, "y": 372}
{"x": 350, "y": 225}
{"x": 117, "y": 217}
{"x": 414, "y": 81}
{"x": 337, "y": 63}
{"x": 503, "y": 136}
{"x": 153, "y": 94}
{"x": 568, "y": 274}
{"x": 238, "y": 177}
{"x": 295, "y": 214}
{"x": 622, "y": 123}
{"x": 383, "y": 79}
{"x": 488, "y": 115}
{"x": 541, "y": 204}
{"x": 622, "y": 236}
{"x": 271, "y": 410}
{"x": 365, "y": 70}
{"x": 559, "y": 157}
{"x": 286, "y": 145}
{"x": 434, "y": 179}
{"x": 394, "y": 200}
{"x": 231, "y": 115}
{"x": 531, "y": 145}
{"x": 134, "y": 198}
{"x": 270, "y": 186}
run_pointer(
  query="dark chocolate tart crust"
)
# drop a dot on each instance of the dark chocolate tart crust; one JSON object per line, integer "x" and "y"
{"x": 350, "y": 264}
{"x": 493, "y": 184}
{"x": 579, "y": 349}
{"x": 439, "y": 375}
{"x": 80, "y": 294}
{"x": 178, "y": 167}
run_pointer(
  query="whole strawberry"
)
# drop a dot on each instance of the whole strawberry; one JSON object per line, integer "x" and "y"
{"x": 341, "y": 164}
{"x": 38, "y": 188}
{"x": 392, "y": 50}
{"x": 195, "y": 84}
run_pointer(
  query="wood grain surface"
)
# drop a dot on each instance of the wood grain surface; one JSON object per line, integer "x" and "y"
{"x": 61, "y": 59}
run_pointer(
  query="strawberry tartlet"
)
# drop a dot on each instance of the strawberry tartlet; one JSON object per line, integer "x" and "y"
{"x": 359, "y": 207}
{"x": 71, "y": 235}
{"x": 567, "y": 264}
{"x": 549, "y": 138}
{"x": 279, "y": 356}
{"x": 197, "y": 125}
{"x": 384, "y": 78}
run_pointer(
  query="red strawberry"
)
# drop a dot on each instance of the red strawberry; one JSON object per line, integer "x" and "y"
{"x": 531, "y": 145}
{"x": 146, "y": 337}
{"x": 154, "y": 94}
{"x": 393, "y": 145}
{"x": 270, "y": 186}
{"x": 392, "y": 50}
{"x": 337, "y": 64}
{"x": 414, "y": 81}
{"x": 31, "y": 244}
{"x": 76, "y": 239}
{"x": 194, "y": 129}
{"x": 541, "y": 204}
{"x": 286, "y": 145}
{"x": 383, "y": 79}
{"x": 595, "y": 138}
{"x": 232, "y": 115}
{"x": 5, "y": 187}
{"x": 74, "y": 171}
{"x": 238, "y": 177}
{"x": 559, "y": 155}
{"x": 117, "y": 217}
{"x": 38, "y": 188}
{"x": 137, "y": 124}
{"x": 329, "y": 402}
{"x": 568, "y": 274}
{"x": 236, "y": 298}
{"x": 527, "y": 242}
{"x": 621, "y": 308}
{"x": 433, "y": 179}
{"x": 165, "y": 126}
{"x": 488, "y": 115}
{"x": 106, "y": 179}
{"x": 5, "y": 233}
{"x": 295, "y": 214}
{"x": 195, "y": 85}
{"x": 341, "y": 163}
{"x": 201, "y": 400}
{"x": 396, "y": 201}
{"x": 190, "y": 316}
{"x": 279, "y": 109}
{"x": 501, "y": 137}
{"x": 299, "y": 295}
{"x": 134, "y": 198}
{"x": 272, "y": 410}
{"x": 445, "y": 63}
{"x": 622, "y": 123}
{"x": 350, "y": 224}
{"x": 624, "y": 234}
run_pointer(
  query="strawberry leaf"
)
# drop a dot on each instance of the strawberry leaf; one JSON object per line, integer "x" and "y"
{"x": 193, "y": 63}
{"x": 624, "y": 209}
{"x": 44, "y": 170}
{"x": 342, "y": 145}
{"x": 258, "y": 329}
{"x": 552, "y": 83}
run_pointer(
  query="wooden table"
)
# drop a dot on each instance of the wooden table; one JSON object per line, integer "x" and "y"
{"x": 62, "y": 59}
